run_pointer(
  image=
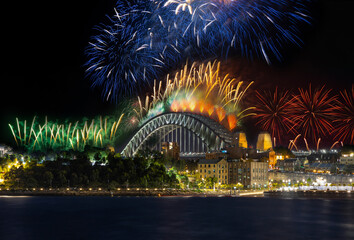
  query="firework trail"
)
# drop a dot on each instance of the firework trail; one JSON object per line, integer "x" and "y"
{"x": 313, "y": 111}
{"x": 293, "y": 143}
{"x": 307, "y": 145}
{"x": 344, "y": 117}
{"x": 318, "y": 144}
{"x": 334, "y": 144}
{"x": 273, "y": 112}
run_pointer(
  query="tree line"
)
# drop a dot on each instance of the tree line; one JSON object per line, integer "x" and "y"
{"x": 146, "y": 169}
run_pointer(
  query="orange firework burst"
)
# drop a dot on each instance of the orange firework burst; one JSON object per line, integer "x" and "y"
{"x": 344, "y": 120}
{"x": 200, "y": 89}
{"x": 273, "y": 112}
{"x": 313, "y": 112}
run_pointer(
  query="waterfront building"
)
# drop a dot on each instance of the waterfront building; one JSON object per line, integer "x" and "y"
{"x": 259, "y": 173}
{"x": 318, "y": 167}
{"x": 250, "y": 173}
{"x": 275, "y": 159}
{"x": 278, "y": 161}
{"x": 323, "y": 157}
{"x": 347, "y": 159}
{"x": 289, "y": 165}
{"x": 215, "y": 168}
{"x": 297, "y": 177}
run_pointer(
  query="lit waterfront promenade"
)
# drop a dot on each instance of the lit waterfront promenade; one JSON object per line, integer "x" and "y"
{"x": 300, "y": 177}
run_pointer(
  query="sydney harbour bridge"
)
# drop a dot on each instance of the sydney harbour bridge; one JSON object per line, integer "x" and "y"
{"x": 194, "y": 134}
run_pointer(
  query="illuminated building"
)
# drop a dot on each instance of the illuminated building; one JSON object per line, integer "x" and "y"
{"x": 264, "y": 142}
{"x": 250, "y": 173}
{"x": 347, "y": 159}
{"x": 323, "y": 157}
{"x": 318, "y": 167}
{"x": 289, "y": 165}
{"x": 170, "y": 150}
{"x": 241, "y": 140}
{"x": 275, "y": 160}
{"x": 217, "y": 168}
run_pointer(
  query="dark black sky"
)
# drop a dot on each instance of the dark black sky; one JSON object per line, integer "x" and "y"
{"x": 43, "y": 55}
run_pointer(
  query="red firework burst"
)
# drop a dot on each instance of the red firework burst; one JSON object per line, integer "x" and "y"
{"x": 272, "y": 112}
{"x": 313, "y": 112}
{"x": 344, "y": 121}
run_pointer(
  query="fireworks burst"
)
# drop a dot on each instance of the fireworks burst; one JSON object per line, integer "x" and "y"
{"x": 259, "y": 28}
{"x": 344, "y": 120}
{"x": 313, "y": 112}
{"x": 120, "y": 59}
{"x": 273, "y": 113}
{"x": 199, "y": 89}
{"x": 145, "y": 38}
{"x": 51, "y": 135}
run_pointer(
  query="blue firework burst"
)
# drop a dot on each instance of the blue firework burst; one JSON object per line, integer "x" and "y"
{"x": 258, "y": 28}
{"x": 120, "y": 58}
{"x": 144, "y": 39}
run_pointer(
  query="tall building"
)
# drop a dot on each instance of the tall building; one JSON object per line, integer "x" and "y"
{"x": 217, "y": 168}
{"x": 264, "y": 141}
{"x": 247, "y": 172}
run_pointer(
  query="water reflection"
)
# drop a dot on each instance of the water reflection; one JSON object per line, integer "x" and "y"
{"x": 174, "y": 218}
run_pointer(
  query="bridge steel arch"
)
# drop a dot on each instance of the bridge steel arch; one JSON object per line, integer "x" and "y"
{"x": 213, "y": 134}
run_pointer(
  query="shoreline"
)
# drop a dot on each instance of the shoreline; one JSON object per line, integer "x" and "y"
{"x": 310, "y": 194}
{"x": 131, "y": 192}
{"x": 299, "y": 194}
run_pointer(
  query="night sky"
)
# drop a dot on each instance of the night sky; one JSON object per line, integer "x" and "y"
{"x": 43, "y": 49}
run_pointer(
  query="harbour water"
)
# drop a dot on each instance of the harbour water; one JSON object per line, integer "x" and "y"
{"x": 174, "y": 218}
